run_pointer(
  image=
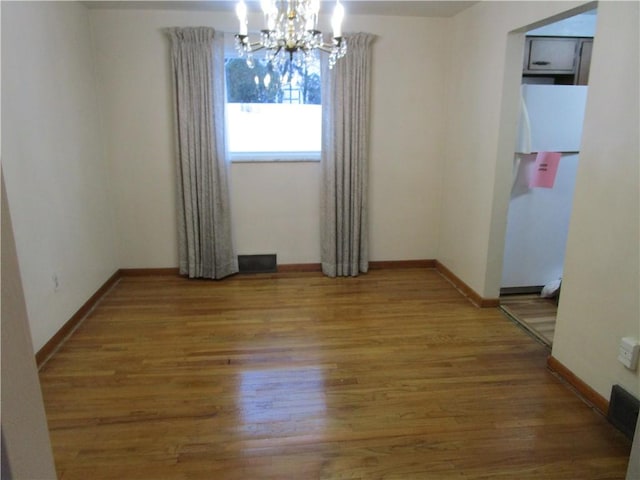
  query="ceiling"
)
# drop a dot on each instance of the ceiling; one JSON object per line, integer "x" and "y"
{"x": 415, "y": 8}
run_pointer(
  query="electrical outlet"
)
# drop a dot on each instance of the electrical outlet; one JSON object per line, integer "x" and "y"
{"x": 628, "y": 352}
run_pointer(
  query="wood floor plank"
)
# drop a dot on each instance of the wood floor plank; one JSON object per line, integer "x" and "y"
{"x": 391, "y": 374}
{"x": 536, "y": 314}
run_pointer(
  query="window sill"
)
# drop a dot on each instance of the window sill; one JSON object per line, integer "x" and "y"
{"x": 296, "y": 157}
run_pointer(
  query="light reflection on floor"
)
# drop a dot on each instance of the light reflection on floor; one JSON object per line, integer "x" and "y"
{"x": 282, "y": 401}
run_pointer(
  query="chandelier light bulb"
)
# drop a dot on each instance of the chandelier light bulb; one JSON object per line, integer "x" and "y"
{"x": 315, "y": 7}
{"x": 241, "y": 12}
{"x": 336, "y": 21}
{"x": 312, "y": 16}
{"x": 266, "y": 6}
{"x": 270, "y": 12}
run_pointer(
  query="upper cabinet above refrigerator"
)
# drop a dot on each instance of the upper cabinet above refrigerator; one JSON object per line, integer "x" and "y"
{"x": 550, "y": 55}
{"x": 559, "y": 53}
{"x": 557, "y": 60}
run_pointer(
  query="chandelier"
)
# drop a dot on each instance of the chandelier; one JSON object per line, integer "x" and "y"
{"x": 290, "y": 28}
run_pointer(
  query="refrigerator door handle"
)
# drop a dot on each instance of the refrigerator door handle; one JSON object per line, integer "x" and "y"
{"x": 525, "y": 139}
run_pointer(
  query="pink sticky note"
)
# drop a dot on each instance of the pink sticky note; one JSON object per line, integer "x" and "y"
{"x": 544, "y": 170}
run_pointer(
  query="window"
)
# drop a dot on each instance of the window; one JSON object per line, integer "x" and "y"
{"x": 273, "y": 113}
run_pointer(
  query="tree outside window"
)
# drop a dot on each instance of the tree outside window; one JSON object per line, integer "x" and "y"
{"x": 264, "y": 83}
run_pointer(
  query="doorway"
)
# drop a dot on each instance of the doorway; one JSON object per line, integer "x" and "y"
{"x": 553, "y": 86}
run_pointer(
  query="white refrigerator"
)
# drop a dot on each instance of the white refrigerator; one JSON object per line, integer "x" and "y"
{"x": 538, "y": 220}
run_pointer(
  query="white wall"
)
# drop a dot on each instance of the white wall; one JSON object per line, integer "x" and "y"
{"x": 600, "y": 301}
{"x": 481, "y": 132}
{"x": 275, "y": 206}
{"x": 53, "y": 160}
{"x": 25, "y": 438}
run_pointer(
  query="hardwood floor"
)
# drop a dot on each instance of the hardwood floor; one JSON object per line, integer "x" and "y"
{"x": 296, "y": 376}
{"x": 536, "y": 314}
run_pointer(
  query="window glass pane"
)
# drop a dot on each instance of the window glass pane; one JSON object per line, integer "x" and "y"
{"x": 274, "y": 127}
{"x": 273, "y": 112}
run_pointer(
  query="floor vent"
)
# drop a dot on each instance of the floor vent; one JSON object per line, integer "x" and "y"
{"x": 257, "y": 263}
{"x": 623, "y": 410}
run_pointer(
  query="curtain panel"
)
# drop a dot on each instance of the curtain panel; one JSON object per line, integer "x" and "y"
{"x": 345, "y": 151}
{"x": 204, "y": 218}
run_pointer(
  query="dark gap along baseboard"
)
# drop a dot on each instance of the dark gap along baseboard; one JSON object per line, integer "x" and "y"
{"x": 521, "y": 290}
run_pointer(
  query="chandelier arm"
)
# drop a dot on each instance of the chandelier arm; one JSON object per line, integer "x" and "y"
{"x": 331, "y": 47}
{"x": 326, "y": 47}
{"x": 247, "y": 46}
{"x": 255, "y": 47}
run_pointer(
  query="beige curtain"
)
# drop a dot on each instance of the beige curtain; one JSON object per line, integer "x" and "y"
{"x": 345, "y": 152}
{"x": 204, "y": 220}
